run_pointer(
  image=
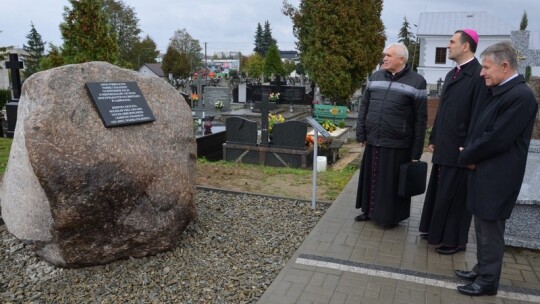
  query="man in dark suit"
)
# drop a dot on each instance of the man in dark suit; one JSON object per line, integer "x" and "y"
{"x": 445, "y": 219}
{"x": 496, "y": 152}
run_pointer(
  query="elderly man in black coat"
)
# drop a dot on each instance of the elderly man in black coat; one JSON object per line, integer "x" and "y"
{"x": 496, "y": 152}
{"x": 445, "y": 219}
{"x": 392, "y": 124}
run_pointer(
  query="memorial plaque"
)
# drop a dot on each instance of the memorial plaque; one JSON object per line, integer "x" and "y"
{"x": 120, "y": 103}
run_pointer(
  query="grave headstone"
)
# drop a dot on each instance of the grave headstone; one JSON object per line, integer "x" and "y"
{"x": 288, "y": 94}
{"x": 85, "y": 194}
{"x": 522, "y": 229}
{"x": 241, "y": 131}
{"x": 293, "y": 95}
{"x": 215, "y": 94}
{"x": 289, "y": 134}
{"x": 242, "y": 97}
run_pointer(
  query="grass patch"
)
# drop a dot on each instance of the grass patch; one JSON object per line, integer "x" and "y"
{"x": 336, "y": 180}
{"x": 5, "y": 147}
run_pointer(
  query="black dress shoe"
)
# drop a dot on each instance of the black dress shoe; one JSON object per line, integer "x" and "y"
{"x": 362, "y": 217}
{"x": 424, "y": 236}
{"x": 475, "y": 290}
{"x": 446, "y": 250}
{"x": 466, "y": 275}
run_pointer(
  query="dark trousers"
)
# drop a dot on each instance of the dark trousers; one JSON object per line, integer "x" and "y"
{"x": 490, "y": 251}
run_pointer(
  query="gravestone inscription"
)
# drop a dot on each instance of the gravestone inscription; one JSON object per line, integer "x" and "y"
{"x": 120, "y": 103}
{"x": 287, "y": 94}
{"x": 293, "y": 95}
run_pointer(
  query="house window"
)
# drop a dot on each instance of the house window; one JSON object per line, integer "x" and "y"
{"x": 440, "y": 55}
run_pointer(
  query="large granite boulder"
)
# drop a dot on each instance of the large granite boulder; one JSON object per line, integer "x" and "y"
{"x": 85, "y": 194}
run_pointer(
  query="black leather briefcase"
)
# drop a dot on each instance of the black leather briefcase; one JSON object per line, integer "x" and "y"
{"x": 412, "y": 179}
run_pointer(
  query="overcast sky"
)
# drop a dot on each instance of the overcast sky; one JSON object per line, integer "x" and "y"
{"x": 229, "y": 25}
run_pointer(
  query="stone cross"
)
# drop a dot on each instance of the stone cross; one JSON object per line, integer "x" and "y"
{"x": 15, "y": 65}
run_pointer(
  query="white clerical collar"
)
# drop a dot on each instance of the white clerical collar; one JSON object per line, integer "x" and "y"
{"x": 460, "y": 65}
{"x": 508, "y": 79}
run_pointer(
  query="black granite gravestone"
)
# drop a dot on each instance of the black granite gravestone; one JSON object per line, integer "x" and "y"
{"x": 11, "y": 107}
{"x": 287, "y": 94}
{"x": 289, "y": 134}
{"x": 120, "y": 103}
{"x": 241, "y": 131}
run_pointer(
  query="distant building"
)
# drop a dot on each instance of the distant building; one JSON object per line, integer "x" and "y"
{"x": 289, "y": 55}
{"x": 435, "y": 30}
{"x": 153, "y": 69}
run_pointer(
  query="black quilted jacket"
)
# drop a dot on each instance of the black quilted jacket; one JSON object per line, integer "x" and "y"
{"x": 393, "y": 111}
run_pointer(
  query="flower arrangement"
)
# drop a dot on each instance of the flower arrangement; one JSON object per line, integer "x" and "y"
{"x": 329, "y": 126}
{"x": 274, "y": 119}
{"x": 273, "y": 96}
{"x": 218, "y": 105}
{"x": 322, "y": 143}
{"x": 194, "y": 97}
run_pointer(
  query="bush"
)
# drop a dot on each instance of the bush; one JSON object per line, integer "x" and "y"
{"x": 5, "y": 95}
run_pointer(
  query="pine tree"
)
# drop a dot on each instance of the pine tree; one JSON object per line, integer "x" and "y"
{"x": 258, "y": 40}
{"x": 524, "y": 22}
{"x": 87, "y": 34}
{"x": 407, "y": 37}
{"x": 35, "y": 50}
{"x": 340, "y": 41}
{"x": 267, "y": 39}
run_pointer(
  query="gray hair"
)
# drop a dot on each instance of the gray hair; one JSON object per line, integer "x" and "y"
{"x": 400, "y": 48}
{"x": 501, "y": 52}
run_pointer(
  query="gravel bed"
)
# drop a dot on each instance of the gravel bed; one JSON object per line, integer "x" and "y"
{"x": 230, "y": 254}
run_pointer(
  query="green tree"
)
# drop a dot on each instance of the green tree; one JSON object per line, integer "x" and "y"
{"x": 300, "y": 69}
{"x": 267, "y": 39}
{"x": 143, "y": 51}
{"x": 176, "y": 63}
{"x": 53, "y": 59}
{"x": 272, "y": 62}
{"x": 124, "y": 24}
{"x": 87, "y": 34}
{"x": 258, "y": 40}
{"x": 185, "y": 44}
{"x": 340, "y": 41}
{"x": 528, "y": 73}
{"x": 254, "y": 65}
{"x": 289, "y": 66}
{"x": 407, "y": 37}
{"x": 524, "y": 22}
{"x": 35, "y": 50}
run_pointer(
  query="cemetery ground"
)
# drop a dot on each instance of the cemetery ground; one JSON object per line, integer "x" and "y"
{"x": 230, "y": 254}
